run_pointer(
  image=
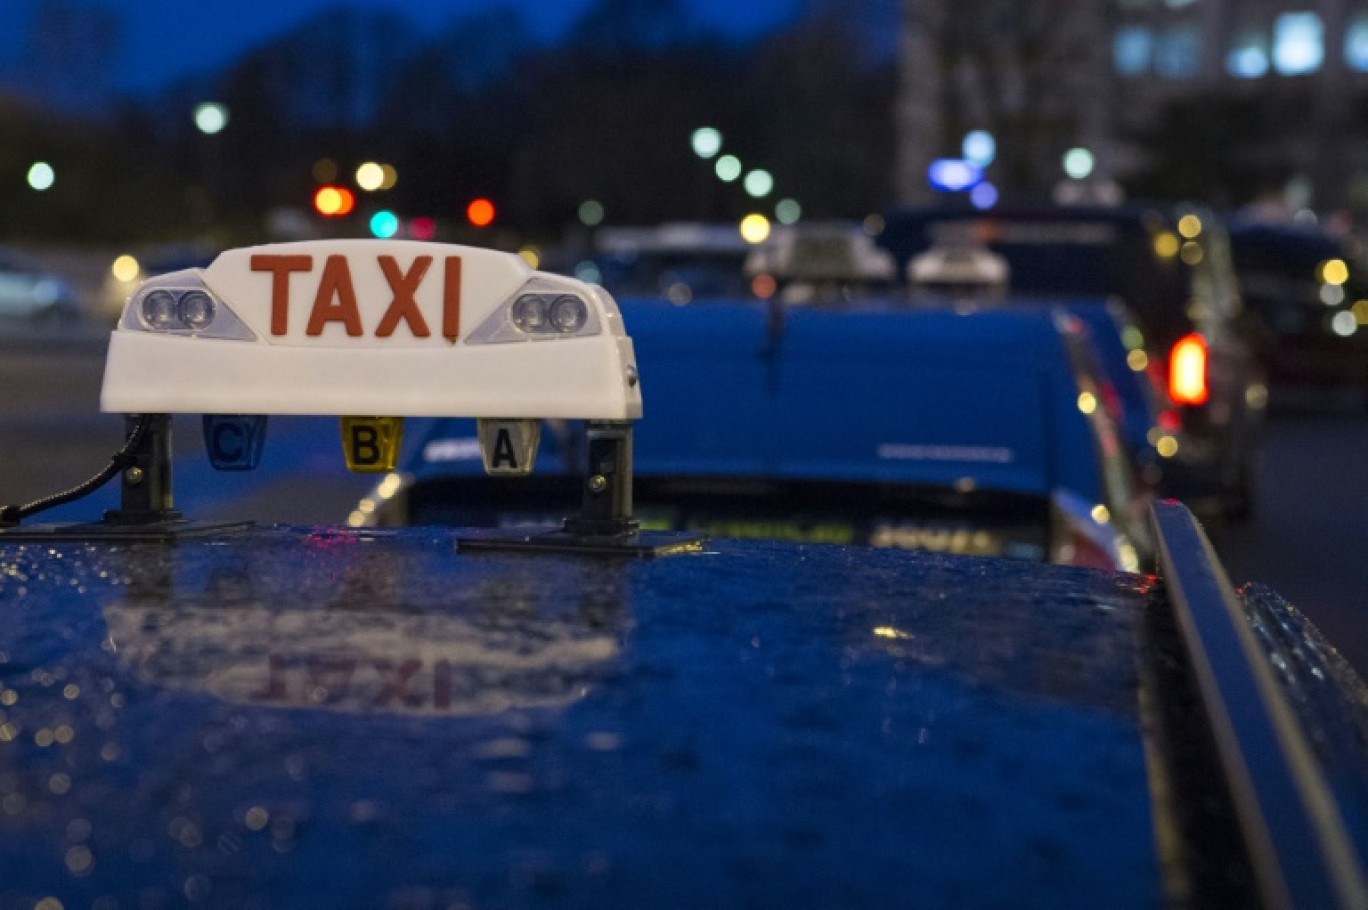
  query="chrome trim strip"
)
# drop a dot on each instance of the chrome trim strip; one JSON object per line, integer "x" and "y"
{"x": 1299, "y": 848}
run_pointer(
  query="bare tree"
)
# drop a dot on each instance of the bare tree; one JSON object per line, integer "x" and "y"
{"x": 1033, "y": 74}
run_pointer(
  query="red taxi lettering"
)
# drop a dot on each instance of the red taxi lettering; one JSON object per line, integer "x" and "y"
{"x": 451, "y": 300}
{"x": 336, "y": 299}
{"x": 336, "y": 284}
{"x": 404, "y": 307}
{"x": 280, "y": 268}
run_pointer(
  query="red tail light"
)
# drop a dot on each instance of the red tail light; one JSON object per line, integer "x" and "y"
{"x": 1188, "y": 370}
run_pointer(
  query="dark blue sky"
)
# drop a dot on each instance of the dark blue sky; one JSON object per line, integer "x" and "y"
{"x": 167, "y": 38}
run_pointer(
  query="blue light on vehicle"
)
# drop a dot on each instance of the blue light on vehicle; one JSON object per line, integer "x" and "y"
{"x": 384, "y": 224}
{"x": 984, "y": 196}
{"x": 953, "y": 175}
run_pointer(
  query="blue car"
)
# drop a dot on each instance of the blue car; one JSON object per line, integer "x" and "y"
{"x": 985, "y": 433}
{"x": 214, "y": 713}
{"x": 1171, "y": 269}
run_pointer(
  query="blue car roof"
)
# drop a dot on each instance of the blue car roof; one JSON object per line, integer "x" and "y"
{"x": 333, "y": 718}
{"x": 912, "y": 396}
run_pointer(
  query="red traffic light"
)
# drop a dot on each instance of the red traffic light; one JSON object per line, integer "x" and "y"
{"x": 480, "y": 213}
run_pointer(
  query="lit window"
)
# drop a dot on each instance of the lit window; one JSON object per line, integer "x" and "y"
{"x": 1298, "y": 43}
{"x": 1356, "y": 43}
{"x": 1178, "y": 52}
{"x": 1248, "y": 57}
{"x": 1131, "y": 50}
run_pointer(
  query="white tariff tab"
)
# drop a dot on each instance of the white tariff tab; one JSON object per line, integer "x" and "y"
{"x": 508, "y": 446}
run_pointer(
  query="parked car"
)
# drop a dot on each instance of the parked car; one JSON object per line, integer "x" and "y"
{"x": 1308, "y": 292}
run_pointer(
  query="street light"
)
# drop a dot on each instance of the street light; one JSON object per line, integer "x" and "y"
{"x": 759, "y": 183}
{"x": 706, "y": 142}
{"x": 211, "y": 117}
{"x": 41, "y": 176}
{"x": 728, "y": 168}
{"x": 370, "y": 176}
{"x": 1078, "y": 163}
{"x": 591, "y": 213}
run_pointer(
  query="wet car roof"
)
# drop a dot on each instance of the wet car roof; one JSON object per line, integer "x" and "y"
{"x": 369, "y": 718}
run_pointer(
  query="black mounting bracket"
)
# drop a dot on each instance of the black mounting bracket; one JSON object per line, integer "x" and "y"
{"x": 146, "y": 509}
{"x": 605, "y": 525}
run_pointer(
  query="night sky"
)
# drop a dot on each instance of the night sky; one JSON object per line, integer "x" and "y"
{"x": 163, "y": 39}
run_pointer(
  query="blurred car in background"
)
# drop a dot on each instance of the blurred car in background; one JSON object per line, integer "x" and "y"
{"x": 127, "y": 271}
{"x": 1171, "y": 269}
{"x": 1308, "y": 292}
{"x": 969, "y": 276}
{"x": 820, "y": 262}
{"x": 30, "y": 292}
{"x": 982, "y": 433}
{"x": 679, "y": 262}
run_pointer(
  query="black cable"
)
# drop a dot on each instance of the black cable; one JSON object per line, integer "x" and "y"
{"x": 117, "y": 462}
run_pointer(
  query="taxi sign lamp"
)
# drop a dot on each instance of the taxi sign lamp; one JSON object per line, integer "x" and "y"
{"x": 370, "y": 327}
{"x": 953, "y": 175}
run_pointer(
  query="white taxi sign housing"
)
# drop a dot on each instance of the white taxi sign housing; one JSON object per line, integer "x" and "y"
{"x": 371, "y": 327}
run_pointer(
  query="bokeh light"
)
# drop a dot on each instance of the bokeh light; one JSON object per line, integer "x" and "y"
{"x": 984, "y": 196}
{"x": 422, "y": 228}
{"x": 41, "y": 176}
{"x": 1334, "y": 271}
{"x": 706, "y": 142}
{"x": 759, "y": 183}
{"x": 384, "y": 224}
{"x": 531, "y": 255}
{"x": 728, "y": 168}
{"x": 325, "y": 170}
{"x": 125, "y": 268}
{"x": 370, "y": 176}
{"x": 755, "y": 228}
{"x": 788, "y": 211}
{"x": 1078, "y": 163}
{"x": 591, "y": 213}
{"x": 480, "y": 213}
{"x": 210, "y": 118}
{"x": 334, "y": 201}
{"x": 979, "y": 147}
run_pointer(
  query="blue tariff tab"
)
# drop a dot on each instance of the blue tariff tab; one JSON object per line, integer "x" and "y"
{"x": 234, "y": 441}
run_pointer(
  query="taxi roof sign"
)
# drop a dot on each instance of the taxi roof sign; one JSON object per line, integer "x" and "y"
{"x": 371, "y": 326}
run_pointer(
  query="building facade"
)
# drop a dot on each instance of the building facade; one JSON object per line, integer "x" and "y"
{"x": 1240, "y": 98}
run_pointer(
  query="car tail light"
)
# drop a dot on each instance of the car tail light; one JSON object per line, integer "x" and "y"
{"x": 1188, "y": 370}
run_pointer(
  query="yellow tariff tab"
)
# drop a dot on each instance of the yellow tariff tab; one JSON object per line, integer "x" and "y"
{"x": 508, "y": 447}
{"x": 371, "y": 444}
